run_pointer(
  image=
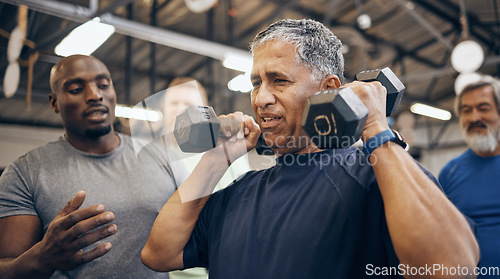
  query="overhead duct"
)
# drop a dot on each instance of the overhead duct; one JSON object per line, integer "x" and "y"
{"x": 59, "y": 9}
{"x": 133, "y": 29}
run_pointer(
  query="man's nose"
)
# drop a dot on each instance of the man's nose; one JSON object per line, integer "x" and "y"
{"x": 93, "y": 94}
{"x": 475, "y": 116}
{"x": 264, "y": 97}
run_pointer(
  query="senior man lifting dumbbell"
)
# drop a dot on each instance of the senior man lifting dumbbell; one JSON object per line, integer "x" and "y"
{"x": 332, "y": 118}
{"x": 302, "y": 218}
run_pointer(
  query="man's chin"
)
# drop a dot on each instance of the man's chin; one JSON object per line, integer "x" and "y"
{"x": 481, "y": 143}
{"x": 98, "y": 131}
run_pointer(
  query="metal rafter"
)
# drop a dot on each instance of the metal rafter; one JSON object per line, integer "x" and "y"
{"x": 373, "y": 38}
{"x": 453, "y": 18}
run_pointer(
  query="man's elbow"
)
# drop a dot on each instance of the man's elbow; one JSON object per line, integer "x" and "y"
{"x": 153, "y": 260}
{"x": 470, "y": 252}
{"x": 473, "y": 253}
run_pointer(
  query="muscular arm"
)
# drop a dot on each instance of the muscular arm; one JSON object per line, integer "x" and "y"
{"x": 425, "y": 227}
{"x": 175, "y": 222}
{"x": 17, "y": 235}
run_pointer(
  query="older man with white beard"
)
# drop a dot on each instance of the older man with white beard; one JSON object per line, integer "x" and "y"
{"x": 472, "y": 180}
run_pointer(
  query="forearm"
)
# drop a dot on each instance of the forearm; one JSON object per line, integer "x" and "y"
{"x": 424, "y": 225}
{"x": 177, "y": 219}
{"x": 24, "y": 266}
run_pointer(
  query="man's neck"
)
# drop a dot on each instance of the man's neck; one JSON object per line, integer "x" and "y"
{"x": 98, "y": 145}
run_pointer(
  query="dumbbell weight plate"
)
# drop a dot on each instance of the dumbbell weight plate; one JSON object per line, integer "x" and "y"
{"x": 334, "y": 118}
{"x": 196, "y": 129}
{"x": 394, "y": 86}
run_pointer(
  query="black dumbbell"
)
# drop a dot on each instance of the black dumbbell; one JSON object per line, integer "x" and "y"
{"x": 197, "y": 130}
{"x": 395, "y": 88}
{"x": 336, "y": 118}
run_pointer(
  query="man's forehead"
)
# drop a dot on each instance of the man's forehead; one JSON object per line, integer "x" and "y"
{"x": 479, "y": 95}
{"x": 275, "y": 57}
{"x": 483, "y": 91}
{"x": 80, "y": 67}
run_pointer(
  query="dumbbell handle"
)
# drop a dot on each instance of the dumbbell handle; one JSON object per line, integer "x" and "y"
{"x": 261, "y": 147}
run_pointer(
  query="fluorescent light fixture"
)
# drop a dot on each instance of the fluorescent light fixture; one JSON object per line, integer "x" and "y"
{"x": 138, "y": 113}
{"x": 242, "y": 63}
{"x": 429, "y": 111}
{"x": 241, "y": 83}
{"x": 85, "y": 39}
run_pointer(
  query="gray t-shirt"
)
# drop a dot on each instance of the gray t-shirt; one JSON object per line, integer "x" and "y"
{"x": 133, "y": 187}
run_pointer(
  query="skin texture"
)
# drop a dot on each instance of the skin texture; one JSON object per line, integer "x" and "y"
{"x": 280, "y": 91}
{"x": 479, "y": 111}
{"x": 83, "y": 94}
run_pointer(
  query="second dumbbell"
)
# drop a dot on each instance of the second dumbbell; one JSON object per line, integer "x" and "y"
{"x": 197, "y": 130}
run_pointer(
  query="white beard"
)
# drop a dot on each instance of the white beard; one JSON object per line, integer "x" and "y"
{"x": 482, "y": 144}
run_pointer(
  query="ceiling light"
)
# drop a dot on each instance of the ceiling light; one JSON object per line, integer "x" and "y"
{"x": 429, "y": 111}
{"x": 238, "y": 62}
{"x": 85, "y": 39}
{"x": 465, "y": 79}
{"x": 364, "y": 21}
{"x": 138, "y": 113}
{"x": 240, "y": 83}
{"x": 467, "y": 57}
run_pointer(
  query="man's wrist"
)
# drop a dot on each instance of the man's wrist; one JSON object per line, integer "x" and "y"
{"x": 40, "y": 264}
{"x": 372, "y": 130}
{"x": 377, "y": 140}
{"x": 218, "y": 157}
{"x": 381, "y": 138}
{"x": 27, "y": 265}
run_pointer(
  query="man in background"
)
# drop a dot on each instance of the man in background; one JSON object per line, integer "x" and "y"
{"x": 99, "y": 233}
{"x": 472, "y": 180}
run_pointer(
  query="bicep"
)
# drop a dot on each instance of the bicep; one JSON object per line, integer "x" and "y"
{"x": 18, "y": 234}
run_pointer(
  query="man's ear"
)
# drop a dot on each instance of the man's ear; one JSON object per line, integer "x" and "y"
{"x": 53, "y": 102}
{"x": 330, "y": 82}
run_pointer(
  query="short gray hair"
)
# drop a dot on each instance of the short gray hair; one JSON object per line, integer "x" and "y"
{"x": 484, "y": 80}
{"x": 317, "y": 47}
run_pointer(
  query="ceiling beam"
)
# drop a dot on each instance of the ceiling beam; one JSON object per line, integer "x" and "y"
{"x": 424, "y": 23}
{"x": 454, "y": 19}
{"x": 136, "y": 29}
{"x": 112, "y": 7}
{"x": 412, "y": 54}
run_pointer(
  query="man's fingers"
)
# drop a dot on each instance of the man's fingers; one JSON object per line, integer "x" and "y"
{"x": 88, "y": 224}
{"x": 231, "y": 124}
{"x": 73, "y": 204}
{"x": 252, "y": 131}
{"x": 94, "y": 236}
{"x": 93, "y": 214}
{"x": 93, "y": 254}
